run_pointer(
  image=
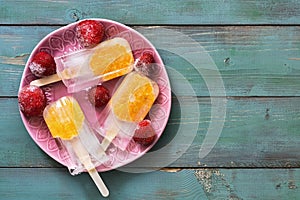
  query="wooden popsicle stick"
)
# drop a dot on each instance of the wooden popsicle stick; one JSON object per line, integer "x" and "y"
{"x": 67, "y": 74}
{"x": 108, "y": 139}
{"x": 46, "y": 80}
{"x": 71, "y": 73}
{"x": 85, "y": 159}
{"x": 111, "y": 132}
{"x": 99, "y": 182}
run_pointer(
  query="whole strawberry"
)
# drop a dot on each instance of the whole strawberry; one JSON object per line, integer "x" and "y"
{"x": 90, "y": 32}
{"x": 144, "y": 133}
{"x": 145, "y": 59}
{"x": 99, "y": 96}
{"x": 42, "y": 64}
{"x": 143, "y": 63}
{"x": 32, "y": 100}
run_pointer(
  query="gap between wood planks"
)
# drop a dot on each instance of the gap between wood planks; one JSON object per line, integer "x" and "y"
{"x": 205, "y": 97}
{"x": 169, "y": 25}
{"x": 177, "y": 169}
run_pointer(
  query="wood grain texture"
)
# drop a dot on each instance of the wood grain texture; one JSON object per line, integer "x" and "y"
{"x": 252, "y": 61}
{"x": 154, "y": 12}
{"x": 258, "y": 132}
{"x": 255, "y": 46}
{"x": 17, "y": 146}
{"x": 186, "y": 184}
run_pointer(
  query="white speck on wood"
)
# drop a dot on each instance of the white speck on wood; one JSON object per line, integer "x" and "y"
{"x": 18, "y": 60}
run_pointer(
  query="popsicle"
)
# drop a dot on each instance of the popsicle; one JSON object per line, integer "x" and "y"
{"x": 128, "y": 106}
{"x": 88, "y": 67}
{"x": 66, "y": 121}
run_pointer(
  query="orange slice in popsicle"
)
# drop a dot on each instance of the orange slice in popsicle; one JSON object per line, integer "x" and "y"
{"x": 112, "y": 59}
{"x": 70, "y": 117}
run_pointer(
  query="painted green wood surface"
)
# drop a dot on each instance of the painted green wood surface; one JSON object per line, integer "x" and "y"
{"x": 251, "y": 42}
{"x": 258, "y": 132}
{"x": 257, "y": 57}
{"x": 154, "y": 12}
{"x": 203, "y": 184}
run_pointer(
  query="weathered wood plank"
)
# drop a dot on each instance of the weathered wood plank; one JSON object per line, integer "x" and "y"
{"x": 249, "y": 184}
{"x": 252, "y": 61}
{"x": 257, "y": 132}
{"x": 17, "y": 183}
{"x": 154, "y": 12}
{"x": 17, "y": 146}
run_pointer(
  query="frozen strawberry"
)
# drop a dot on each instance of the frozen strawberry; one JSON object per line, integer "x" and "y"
{"x": 42, "y": 64}
{"x": 144, "y": 133}
{"x": 32, "y": 100}
{"x": 90, "y": 32}
{"x": 143, "y": 63}
{"x": 99, "y": 96}
{"x": 145, "y": 59}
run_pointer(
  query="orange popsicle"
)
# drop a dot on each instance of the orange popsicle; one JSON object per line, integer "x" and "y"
{"x": 128, "y": 106}
{"x": 66, "y": 121}
{"x": 88, "y": 67}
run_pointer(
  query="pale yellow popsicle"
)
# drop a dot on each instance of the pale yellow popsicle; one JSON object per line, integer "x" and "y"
{"x": 66, "y": 120}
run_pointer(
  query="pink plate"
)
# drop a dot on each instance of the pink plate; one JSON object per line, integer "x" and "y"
{"x": 63, "y": 41}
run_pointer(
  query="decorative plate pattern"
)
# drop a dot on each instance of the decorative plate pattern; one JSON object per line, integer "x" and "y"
{"x": 63, "y": 41}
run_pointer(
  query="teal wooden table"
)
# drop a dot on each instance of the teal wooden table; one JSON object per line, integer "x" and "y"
{"x": 254, "y": 45}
